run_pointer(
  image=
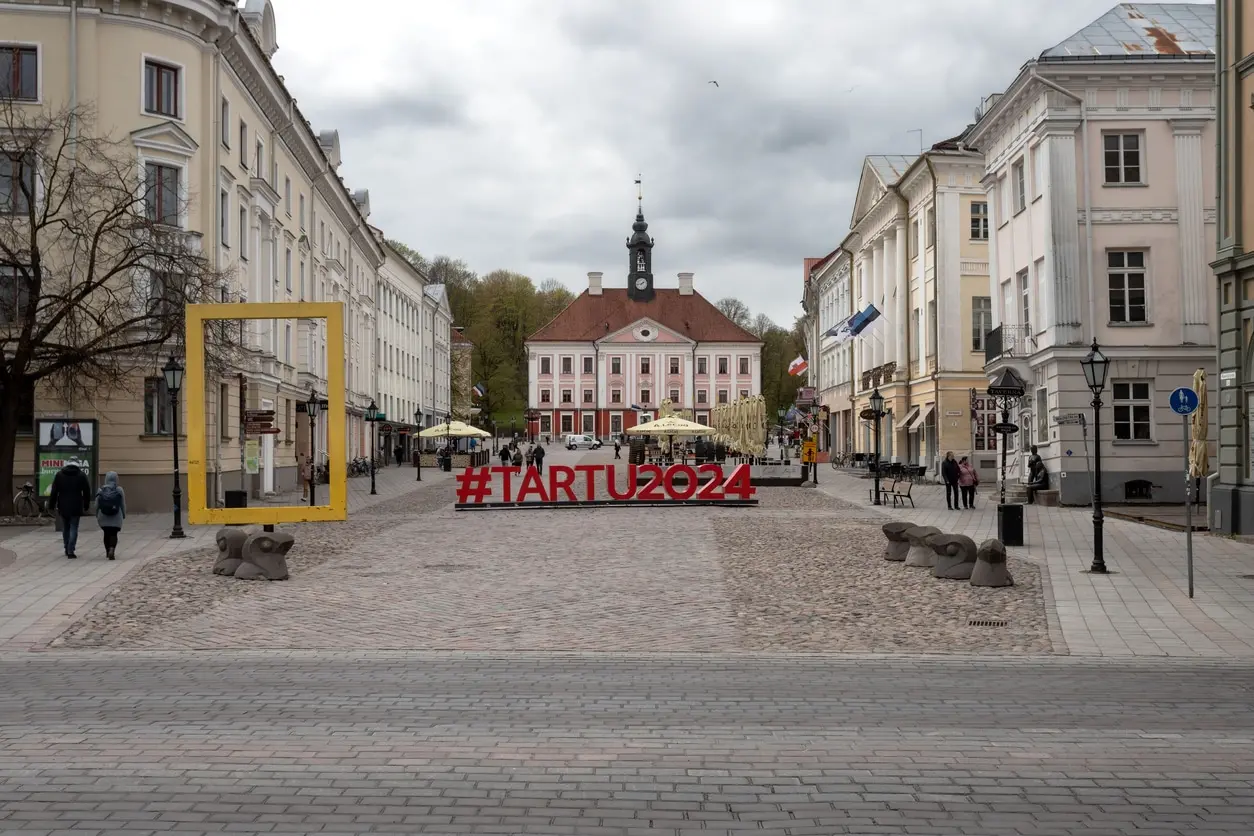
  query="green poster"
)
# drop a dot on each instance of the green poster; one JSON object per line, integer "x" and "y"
{"x": 50, "y": 463}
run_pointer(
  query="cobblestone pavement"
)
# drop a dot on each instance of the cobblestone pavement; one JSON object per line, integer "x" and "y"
{"x": 326, "y": 743}
{"x": 801, "y": 573}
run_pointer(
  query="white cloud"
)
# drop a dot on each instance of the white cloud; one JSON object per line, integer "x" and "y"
{"x": 508, "y": 132}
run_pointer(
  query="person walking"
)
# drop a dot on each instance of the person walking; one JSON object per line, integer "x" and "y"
{"x": 517, "y": 461}
{"x": 950, "y": 473}
{"x": 110, "y": 511}
{"x": 618, "y": 447}
{"x": 505, "y": 456}
{"x": 71, "y": 497}
{"x": 538, "y": 456}
{"x": 967, "y": 480}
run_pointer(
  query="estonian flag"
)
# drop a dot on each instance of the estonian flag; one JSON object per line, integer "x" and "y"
{"x": 480, "y": 390}
{"x": 798, "y": 366}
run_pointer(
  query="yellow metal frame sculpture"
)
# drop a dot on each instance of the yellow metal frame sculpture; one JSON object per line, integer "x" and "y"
{"x": 198, "y": 511}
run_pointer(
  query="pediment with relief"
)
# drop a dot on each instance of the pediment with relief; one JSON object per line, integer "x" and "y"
{"x": 168, "y": 137}
{"x": 644, "y": 331}
{"x": 870, "y": 189}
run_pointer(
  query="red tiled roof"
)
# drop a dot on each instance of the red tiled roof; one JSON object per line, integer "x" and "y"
{"x": 459, "y": 336}
{"x": 808, "y": 266}
{"x": 590, "y": 317}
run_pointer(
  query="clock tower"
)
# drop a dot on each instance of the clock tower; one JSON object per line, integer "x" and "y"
{"x": 640, "y": 250}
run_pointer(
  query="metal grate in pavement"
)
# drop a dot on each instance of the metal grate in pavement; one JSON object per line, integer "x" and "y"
{"x": 986, "y": 622}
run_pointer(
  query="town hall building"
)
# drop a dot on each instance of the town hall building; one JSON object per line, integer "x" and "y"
{"x": 606, "y": 362}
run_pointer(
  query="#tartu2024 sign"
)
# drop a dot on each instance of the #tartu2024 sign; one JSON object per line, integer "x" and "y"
{"x": 579, "y": 484}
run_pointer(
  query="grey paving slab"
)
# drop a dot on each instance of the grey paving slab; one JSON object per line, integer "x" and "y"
{"x": 378, "y": 742}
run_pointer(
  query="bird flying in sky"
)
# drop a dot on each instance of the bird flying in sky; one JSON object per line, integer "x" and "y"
{"x": 715, "y": 83}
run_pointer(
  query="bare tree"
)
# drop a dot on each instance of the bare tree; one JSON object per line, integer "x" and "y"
{"x": 735, "y": 310}
{"x": 96, "y": 266}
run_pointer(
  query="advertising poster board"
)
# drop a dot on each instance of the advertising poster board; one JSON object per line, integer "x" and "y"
{"x": 59, "y": 441}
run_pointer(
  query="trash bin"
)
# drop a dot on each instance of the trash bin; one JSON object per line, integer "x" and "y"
{"x": 236, "y": 499}
{"x": 446, "y": 464}
{"x": 1010, "y": 524}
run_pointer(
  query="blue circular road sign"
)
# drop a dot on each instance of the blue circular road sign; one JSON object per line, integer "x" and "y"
{"x": 1183, "y": 401}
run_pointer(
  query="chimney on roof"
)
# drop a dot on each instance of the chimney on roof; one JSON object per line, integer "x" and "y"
{"x": 594, "y": 284}
{"x": 685, "y": 284}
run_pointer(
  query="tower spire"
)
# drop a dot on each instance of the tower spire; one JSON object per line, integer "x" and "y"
{"x": 639, "y": 194}
{"x": 640, "y": 246}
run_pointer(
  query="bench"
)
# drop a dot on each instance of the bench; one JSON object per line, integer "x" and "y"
{"x": 885, "y": 493}
{"x": 901, "y": 496}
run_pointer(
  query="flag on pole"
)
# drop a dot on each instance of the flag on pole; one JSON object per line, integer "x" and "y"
{"x": 798, "y": 366}
{"x": 480, "y": 390}
{"x": 855, "y": 325}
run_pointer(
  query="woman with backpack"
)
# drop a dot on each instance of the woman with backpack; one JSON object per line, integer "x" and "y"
{"x": 968, "y": 478}
{"x": 110, "y": 511}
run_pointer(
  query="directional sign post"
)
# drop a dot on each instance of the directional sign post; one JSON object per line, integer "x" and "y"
{"x": 1184, "y": 402}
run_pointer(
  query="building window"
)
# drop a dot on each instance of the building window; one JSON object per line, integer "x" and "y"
{"x": 19, "y": 73}
{"x": 981, "y": 320}
{"x": 589, "y": 423}
{"x": 161, "y": 198}
{"x": 1025, "y": 296}
{"x": 722, "y": 365}
{"x": 912, "y": 243}
{"x": 546, "y": 365}
{"x": 259, "y": 159}
{"x": 224, "y": 217}
{"x": 587, "y": 365}
{"x": 1133, "y": 408}
{"x": 645, "y": 394}
{"x": 702, "y": 366}
{"x": 1042, "y": 416}
{"x": 616, "y": 424}
{"x": 931, "y": 227}
{"x": 161, "y": 89}
{"x": 744, "y": 393}
{"x": 301, "y": 217}
{"x": 1125, "y": 273}
{"x": 568, "y": 396}
{"x": 1019, "y": 180}
{"x": 567, "y": 365}
{"x": 158, "y": 412}
{"x": 674, "y": 394}
{"x": 616, "y": 396}
{"x": 1122, "y": 158}
{"x": 287, "y": 196}
{"x": 243, "y": 232}
{"x": 302, "y": 280}
{"x": 645, "y": 365}
{"x": 744, "y": 365}
{"x": 587, "y": 396}
{"x": 287, "y": 344}
{"x": 979, "y": 221}
{"x": 702, "y": 396}
{"x": 546, "y": 396}
{"x": 243, "y": 144}
{"x": 916, "y": 339}
{"x": 546, "y": 424}
{"x": 616, "y": 365}
{"x": 568, "y": 424}
{"x": 14, "y": 295}
{"x": 287, "y": 267}
{"x": 224, "y": 118}
{"x": 674, "y": 365}
{"x": 722, "y": 396}
{"x": 17, "y": 183}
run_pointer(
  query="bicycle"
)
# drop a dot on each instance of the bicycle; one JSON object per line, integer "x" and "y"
{"x": 27, "y": 504}
{"x": 839, "y": 460}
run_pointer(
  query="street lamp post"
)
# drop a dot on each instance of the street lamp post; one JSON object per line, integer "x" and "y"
{"x": 781, "y": 413}
{"x": 877, "y": 407}
{"x": 418, "y": 444}
{"x": 173, "y": 371}
{"x": 372, "y": 415}
{"x": 311, "y": 409}
{"x": 1095, "y": 366}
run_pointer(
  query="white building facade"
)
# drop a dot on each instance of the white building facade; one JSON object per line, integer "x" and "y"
{"x": 1101, "y": 196}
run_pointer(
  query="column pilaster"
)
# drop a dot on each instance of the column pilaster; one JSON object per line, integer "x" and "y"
{"x": 1195, "y": 273}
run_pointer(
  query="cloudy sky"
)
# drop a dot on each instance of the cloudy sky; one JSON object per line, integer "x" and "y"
{"x": 509, "y": 132}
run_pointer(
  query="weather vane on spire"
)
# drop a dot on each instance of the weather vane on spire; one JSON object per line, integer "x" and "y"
{"x": 639, "y": 193}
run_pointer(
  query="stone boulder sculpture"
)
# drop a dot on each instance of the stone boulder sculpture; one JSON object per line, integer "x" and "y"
{"x": 897, "y": 545}
{"x": 230, "y": 550}
{"x": 990, "y": 565}
{"x": 955, "y": 556}
{"x": 921, "y": 553}
{"x": 265, "y": 556}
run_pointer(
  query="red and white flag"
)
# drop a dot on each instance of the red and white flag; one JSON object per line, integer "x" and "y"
{"x": 798, "y": 366}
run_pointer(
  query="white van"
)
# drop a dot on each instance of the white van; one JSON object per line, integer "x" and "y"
{"x": 582, "y": 442}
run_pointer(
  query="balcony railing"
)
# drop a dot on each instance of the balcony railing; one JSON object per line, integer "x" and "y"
{"x": 1008, "y": 341}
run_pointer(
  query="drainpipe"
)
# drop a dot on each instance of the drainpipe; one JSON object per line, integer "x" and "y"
{"x": 1088, "y": 195}
{"x": 905, "y": 205}
{"x": 73, "y": 76}
{"x": 935, "y": 335}
{"x": 216, "y": 145}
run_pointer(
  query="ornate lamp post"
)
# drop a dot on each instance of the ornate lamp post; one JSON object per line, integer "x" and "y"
{"x": 311, "y": 409}
{"x": 372, "y": 415}
{"x": 418, "y": 444}
{"x": 781, "y": 413}
{"x": 1095, "y": 366}
{"x": 877, "y": 407}
{"x": 173, "y": 371}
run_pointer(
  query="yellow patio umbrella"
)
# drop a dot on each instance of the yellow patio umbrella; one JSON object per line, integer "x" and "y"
{"x": 454, "y": 429}
{"x": 670, "y": 425}
{"x": 1199, "y": 455}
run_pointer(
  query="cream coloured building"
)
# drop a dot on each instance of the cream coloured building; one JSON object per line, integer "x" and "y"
{"x": 190, "y": 85}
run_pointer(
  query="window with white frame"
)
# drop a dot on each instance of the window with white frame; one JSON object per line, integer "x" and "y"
{"x": 1122, "y": 161}
{"x": 19, "y": 73}
{"x": 161, "y": 89}
{"x": 979, "y": 220}
{"x": 743, "y": 363}
{"x": 546, "y": 365}
{"x": 287, "y": 196}
{"x": 587, "y": 365}
{"x": 546, "y": 395}
{"x": 259, "y": 159}
{"x": 616, "y": 424}
{"x": 616, "y": 365}
{"x": 981, "y": 320}
{"x": 243, "y": 232}
{"x": 1019, "y": 181}
{"x": 645, "y": 365}
{"x": 722, "y": 396}
{"x": 674, "y": 365}
{"x": 287, "y": 268}
{"x": 224, "y": 217}
{"x": 1133, "y": 410}
{"x": 722, "y": 365}
{"x": 568, "y": 396}
{"x": 703, "y": 396}
{"x": 14, "y": 294}
{"x": 161, "y": 193}
{"x": 616, "y": 396}
{"x": 243, "y": 144}
{"x": 702, "y": 365}
{"x": 224, "y": 126}
{"x": 1125, "y": 274}
{"x": 645, "y": 396}
{"x": 587, "y": 396}
{"x": 301, "y": 218}
{"x": 568, "y": 366}
{"x": 158, "y": 411}
{"x": 1025, "y": 298}
{"x": 931, "y": 226}
{"x": 674, "y": 396}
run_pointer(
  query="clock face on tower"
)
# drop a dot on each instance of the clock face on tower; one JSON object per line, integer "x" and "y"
{"x": 642, "y": 283}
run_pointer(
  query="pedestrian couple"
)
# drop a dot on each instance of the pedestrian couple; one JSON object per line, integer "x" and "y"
{"x": 71, "y": 498}
{"x": 960, "y": 480}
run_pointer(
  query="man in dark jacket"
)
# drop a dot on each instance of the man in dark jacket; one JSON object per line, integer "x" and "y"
{"x": 71, "y": 497}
